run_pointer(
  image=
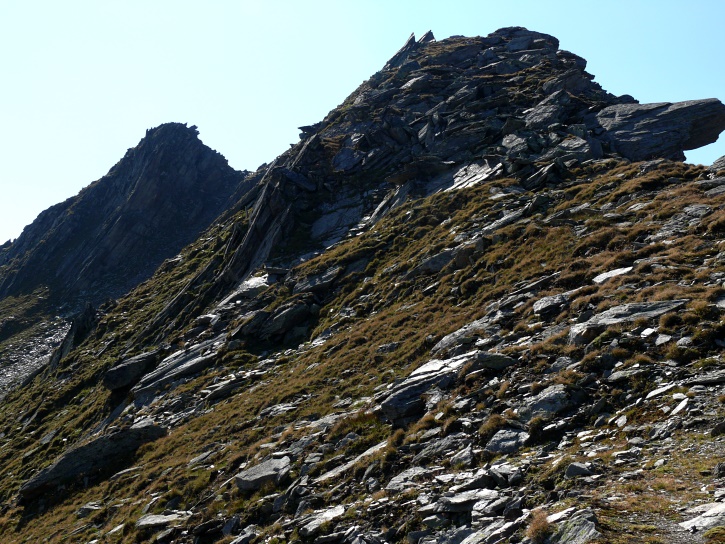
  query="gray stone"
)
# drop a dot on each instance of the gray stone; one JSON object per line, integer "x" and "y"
{"x": 436, "y": 448}
{"x": 433, "y": 264}
{"x": 102, "y": 454}
{"x": 284, "y": 319}
{"x": 250, "y": 533}
{"x": 248, "y": 289}
{"x": 714, "y": 517}
{"x": 715, "y": 377}
{"x": 601, "y": 278}
{"x": 318, "y": 518}
{"x": 577, "y": 469}
{"x": 88, "y": 508}
{"x": 551, "y": 305}
{"x": 547, "y": 403}
{"x": 404, "y": 400}
{"x": 161, "y": 521}
{"x": 507, "y": 441}
{"x": 643, "y": 131}
{"x": 581, "y": 528}
{"x": 465, "y": 501}
{"x": 406, "y": 478}
{"x": 318, "y": 282}
{"x": 272, "y": 470}
{"x": 584, "y": 332}
{"x": 626, "y": 374}
{"x": 338, "y": 471}
{"x": 129, "y": 371}
{"x": 464, "y": 457}
{"x": 464, "y": 335}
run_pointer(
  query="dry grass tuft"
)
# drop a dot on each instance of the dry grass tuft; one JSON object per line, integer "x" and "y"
{"x": 539, "y": 528}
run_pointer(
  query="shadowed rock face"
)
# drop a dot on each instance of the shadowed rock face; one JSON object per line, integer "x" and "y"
{"x": 116, "y": 231}
{"x": 104, "y": 454}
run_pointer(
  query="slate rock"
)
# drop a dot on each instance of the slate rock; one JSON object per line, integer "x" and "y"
{"x": 101, "y": 455}
{"x": 272, "y": 470}
{"x": 318, "y": 282}
{"x": 248, "y": 289}
{"x": 625, "y": 313}
{"x": 161, "y": 521}
{"x": 129, "y": 371}
{"x": 714, "y": 517}
{"x": 643, "y": 131}
{"x": 313, "y": 526}
{"x": 284, "y": 319}
{"x": 406, "y": 478}
{"x": 580, "y": 528}
{"x": 405, "y": 399}
{"x": 550, "y": 306}
{"x": 577, "y": 469}
{"x": 249, "y": 533}
{"x": 507, "y": 441}
{"x": 547, "y": 403}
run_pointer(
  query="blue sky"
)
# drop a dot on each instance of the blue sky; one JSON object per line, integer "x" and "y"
{"x": 83, "y": 80}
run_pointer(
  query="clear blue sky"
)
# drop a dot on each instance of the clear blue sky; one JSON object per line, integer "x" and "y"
{"x": 83, "y": 80}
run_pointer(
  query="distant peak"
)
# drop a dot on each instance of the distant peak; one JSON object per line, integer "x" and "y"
{"x": 172, "y": 128}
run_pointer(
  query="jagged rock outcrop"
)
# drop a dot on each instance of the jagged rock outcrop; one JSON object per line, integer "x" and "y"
{"x": 115, "y": 232}
{"x": 644, "y": 131}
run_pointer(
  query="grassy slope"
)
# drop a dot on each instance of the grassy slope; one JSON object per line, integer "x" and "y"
{"x": 388, "y": 308}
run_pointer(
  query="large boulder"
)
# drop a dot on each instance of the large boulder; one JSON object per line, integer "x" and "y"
{"x": 129, "y": 371}
{"x": 272, "y": 470}
{"x": 625, "y": 313}
{"x": 404, "y": 401}
{"x": 644, "y": 131}
{"x": 507, "y": 441}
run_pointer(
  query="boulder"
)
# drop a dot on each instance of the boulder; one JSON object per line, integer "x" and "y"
{"x": 507, "y": 441}
{"x": 604, "y": 276}
{"x": 550, "y": 306}
{"x": 272, "y": 470}
{"x": 643, "y": 131}
{"x": 318, "y": 282}
{"x": 406, "y": 478}
{"x": 577, "y": 469}
{"x": 404, "y": 400}
{"x": 714, "y": 517}
{"x": 313, "y": 526}
{"x": 161, "y": 521}
{"x": 104, "y": 454}
{"x": 626, "y": 313}
{"x": 581, "y": 528}
{"x": 129, "y": 371}
{"x": 284, "y": 320}
{"x": 547, "y": 403}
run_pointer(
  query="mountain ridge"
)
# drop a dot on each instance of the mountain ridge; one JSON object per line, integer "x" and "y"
{"x": 481, "y": 301}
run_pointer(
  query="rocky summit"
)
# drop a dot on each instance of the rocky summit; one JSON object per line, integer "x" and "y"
{"x": 480, "y": 302}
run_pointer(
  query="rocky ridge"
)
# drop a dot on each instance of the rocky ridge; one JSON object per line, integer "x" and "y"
{"x": 480, "y": 302}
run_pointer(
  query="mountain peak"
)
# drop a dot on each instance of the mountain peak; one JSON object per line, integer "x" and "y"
{"x": 116, "y": 231}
